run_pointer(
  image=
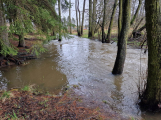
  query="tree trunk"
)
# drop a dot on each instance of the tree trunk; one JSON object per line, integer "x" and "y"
{"x": 70, "y": 27}
{"x": 136, "y": 13}
{"x": 90, "y": 19}
{"x": 4, "y": 34}
{"x": 153, "y": 26}
{"x": 120, "y": 17}
{"x": 79, "y": 29}
{"x": 103, "y": 23}
{"x": 83, "y": 17}
{"x": 137, "y": 33}
{"x": 94, "y": 16}
{"x": 21, "y": 34}
{"x": 136, "y": 27}
{"x": 121, "y": 52}
{"x": 21, "y": 40}
{"x": 76, "y": 9}
{"x": 59, "y": 7}
{"x": 111, "y": 22}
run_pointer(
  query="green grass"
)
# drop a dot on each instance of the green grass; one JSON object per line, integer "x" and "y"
{"x": 26, "y": 88}
{"x": 5, "y": 95}
{"x": 85, "y": 33}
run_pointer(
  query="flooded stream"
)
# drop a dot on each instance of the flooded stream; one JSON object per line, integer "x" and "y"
{"x": 88, "y": 64}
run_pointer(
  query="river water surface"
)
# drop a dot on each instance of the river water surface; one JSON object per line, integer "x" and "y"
{"x": 88, "y": 64}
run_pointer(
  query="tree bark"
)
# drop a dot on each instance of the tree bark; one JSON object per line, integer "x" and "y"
{"x": 137, "y": 33}
{"x": 77, "y": 10}
{"x": 94, "y": 17}
{"x": 21, "y": 33}
{"x": 103, "y": 23}
{"x": 120, "y": 17}
{"x": 59, "y": 7}
{"x": 21, "y": 40}
{"x": 79, "y": 31}
{"x": 111, "y": 22}
{"x": 70, "y": 27}
{"x": 84, "y": 3}
{"x": 121, "y": 52}
{"x": 135, "y": 29}
{"x": 152, "y": 93}
{"x": 90, "y": 19}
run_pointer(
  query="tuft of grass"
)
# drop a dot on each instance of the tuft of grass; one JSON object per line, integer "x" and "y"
{"x": 104, "y": 101}
{"x": 26, "y": 88}
{"x": 14, "y": 116}
{"x": 6, "y": 94}
{"x": 29, "y": 88}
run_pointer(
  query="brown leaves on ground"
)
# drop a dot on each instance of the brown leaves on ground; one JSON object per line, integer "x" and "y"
{"x": 26, "y": 105}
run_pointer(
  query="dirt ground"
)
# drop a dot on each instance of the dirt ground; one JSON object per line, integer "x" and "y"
{"x": 21, "y": 104}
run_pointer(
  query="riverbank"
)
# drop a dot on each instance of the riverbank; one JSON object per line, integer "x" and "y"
{"x": 28, "y": 103}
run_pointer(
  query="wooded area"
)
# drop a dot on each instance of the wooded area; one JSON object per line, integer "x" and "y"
{"x": 94, "y": 18}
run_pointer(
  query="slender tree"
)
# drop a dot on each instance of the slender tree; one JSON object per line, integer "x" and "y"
{"x": 90, "y": 19}
{"x": 84, "y": 3}
{"x": 59, "y": 7}
{"x": 111, "y": 22}
{"x": 70, "y": 27}
{"x": 136, "y": 13}
{"x": 77, "y": 18}
{"x": 103, "y": 23}
{"x": 121, "y": 52}
{"x": 152, "y": 94}
{"x": 120, "y": 17}
{"x": 94, "y": 17}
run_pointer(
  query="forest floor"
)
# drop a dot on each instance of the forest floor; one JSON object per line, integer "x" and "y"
{"x": 30, "y": 104}
{"x": 22, "y": 54}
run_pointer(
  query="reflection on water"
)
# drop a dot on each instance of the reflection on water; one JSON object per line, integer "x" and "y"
{"x": 86, "y": 63}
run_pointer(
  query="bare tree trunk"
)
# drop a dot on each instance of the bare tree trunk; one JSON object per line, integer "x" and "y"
{"x": 152, "y": 96}
{"x": 70, "y": 27}
{"x": 59, "y": 7}
{"x": 94, "y": 17}
{"x": 137, "y": 33}
{"x": 21, "y": 34}
{"x": 79, "y": 31}
{"x": 90, "y": 19}
{"x": 135, "y": 29}
{"x": 136, "y": 13}
{"x": 103, "y": 23}
{"x": 121, "y": 52}
{"x": 21, "y": 40}
{"x": 120, "y": 17}
{"x": 111, "y": 22}
{"x": 83, "y": 17}
{"x": 76, "y": 9}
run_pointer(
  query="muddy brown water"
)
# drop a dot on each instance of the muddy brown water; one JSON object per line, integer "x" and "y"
{"x": 88, "y": 64}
